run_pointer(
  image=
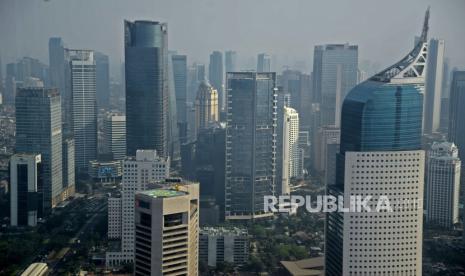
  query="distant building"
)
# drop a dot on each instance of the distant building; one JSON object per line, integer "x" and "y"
{"x": 442, "y": 185}
{"x": 263, "y": 63}
{"x": 147, "y": 90}
{"x": 25, "y": 182}
{"x": 138, "y": 172}
{"x": 102, "y": 72}
{"x": 206, "y": 107}
{"x": 38, "y": 130}
{"x": 167, "y": 231}
{"x": 114, "y": 135}
{"x": 105, "y": 171}
{"x": 69, "y": 175}
{"x": 456, "y": 124}
{"x": 223, "y": 245}
{"x": 216, "y": 77}
{"x": 230, "y": 61}
{"x": 180, "y": 85}
{"x": 433, "y": 86}
{"x": 335, "y": 68}
{"x": 326, "y": 135}
{"x": 250, "y": 144}
{"x": 84, "y": 107}
{"x": 292, "y": 154}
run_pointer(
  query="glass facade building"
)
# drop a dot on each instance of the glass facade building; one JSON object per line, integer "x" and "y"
{"x": 147, "y": 94}
{"x": 250, "y": 143}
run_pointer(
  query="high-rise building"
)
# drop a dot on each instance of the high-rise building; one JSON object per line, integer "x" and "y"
{"x": 25, "y": 178}
{"x": 456, "y": 124}
{"x": 206, "y": 107}
{"x": 230, "y": 61}
{"x": 167, "y": 231}
{"x": 180, "y": 85}
{"x": 114, "y": 133}
{"x": 292, "y": 154}
{"x": 335, "y": 68}
{"x": 69, "y": 176}
{"x": 147, "y": 94}
{"x": 56, "y": 54}
{"x": 216, "y": 77}
{"x": 283, "y": 100}
{"x": 102, "y": 71}
{"x": 433, "y": 86}
{"x": 219, "y": 245}
{"x": 250, "y": 144}
{"x": 325, "y": 135}
{"x": 442, "y": 185}
{"x": 380, "y": 155}
{"x": 138, "y": 172}
{"x": 263, "y": 63}
{"x": 84, "y": 107}
{"x": 38, "y": 130}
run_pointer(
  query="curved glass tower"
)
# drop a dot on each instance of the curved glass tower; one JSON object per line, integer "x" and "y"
{"x": 380, "y": 155}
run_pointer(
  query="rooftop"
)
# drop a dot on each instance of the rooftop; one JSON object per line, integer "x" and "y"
{"x": 163, "y": 193}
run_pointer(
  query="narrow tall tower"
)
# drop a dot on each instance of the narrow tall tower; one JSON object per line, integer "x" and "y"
{"x": 147, "y": 95}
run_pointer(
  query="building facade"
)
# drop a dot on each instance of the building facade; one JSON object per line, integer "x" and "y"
{"x": 216, "y": 77}
{"x": 147, "y": 94}
{"x": 292, "y": 154}
{"x": 84, "y": 107}
{"x": 442, "y": 185}
{"x": 433, "y": 86}
{"x": 38, "y": 130}
{"x": 335, "y": 68}
{"x": 138, "y": 172}
{"x": 263, "y": 63}
{"x": 167, "y": 231}
{"x": 250, "y": 144}
{"x": 223, "y": 245}
{"x": 206, "y": 107}
{"x": 114, "y": 133}
{"x": 25, "y": 178}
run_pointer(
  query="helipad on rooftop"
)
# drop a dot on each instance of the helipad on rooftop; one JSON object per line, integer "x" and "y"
{"x": 160, "y": 193}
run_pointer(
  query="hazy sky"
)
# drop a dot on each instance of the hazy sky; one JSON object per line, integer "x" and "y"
{"x": 288, "y": 29}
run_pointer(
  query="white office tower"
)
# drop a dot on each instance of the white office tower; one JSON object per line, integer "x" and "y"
{"x": 221, "y": 244}
{"x": 114, "y": 132}
{"x": 167, "y": 231}
{"x": 24, "y": 200}
{"x": 292, "y": 153}
{"x": 83, "y": 107}
{"x": 146, "y": 168}
{"x": 442, "y": 185}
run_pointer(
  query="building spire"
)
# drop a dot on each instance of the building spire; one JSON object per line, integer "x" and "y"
{"x": 424, "y": 32}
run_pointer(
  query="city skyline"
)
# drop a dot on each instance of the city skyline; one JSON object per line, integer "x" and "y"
{"x": 393, "y": 39}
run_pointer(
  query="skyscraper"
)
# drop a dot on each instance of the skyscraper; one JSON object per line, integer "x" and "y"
{"x": 263, "y": 63}
{"x": 25, "y": 178}
{"x": 380, "y": 155}
{"x": 38, "y": 130}
{"x": 292, "y": 155}
{"x": 147, "y": 95}
{"x": 138, "y": 172}
{"x": 180, "y": 85}
{"x": 102, "y": 69}
{"x": 167, "y": 235}
{"x": 456, "y": 117}
{"x": 230, "y": 61}
{"x": 216, "y": 77}
{"x": 335, "y": 69}
{"x": 114, "y": 133}
{"x": 56, "y": 54}
{"x": 206, "y": 107}
{"x": 433, "y": 86}
{"x": 250, "y": 144}
{"x": 442, "y": 185}
{"x": 84, "y": 107}
{"x": 68, "y": 162}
